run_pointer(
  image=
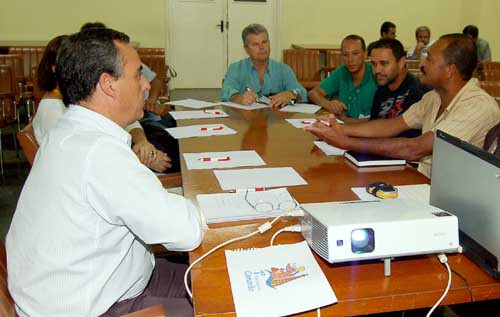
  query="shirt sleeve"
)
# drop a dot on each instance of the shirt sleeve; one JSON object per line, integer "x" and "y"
{"x": 132, "y": 126}
{"x": 291, "y": 83}
{"x": 147, "y": 73}
{"x": 232, "y": 82}
{"x": 331, "y": 84}
{"x": 125, "y": 193}
{"x": 414, "y": 116}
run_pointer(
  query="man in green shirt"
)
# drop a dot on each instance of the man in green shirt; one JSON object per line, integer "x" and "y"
{"x": 352, "y": 83}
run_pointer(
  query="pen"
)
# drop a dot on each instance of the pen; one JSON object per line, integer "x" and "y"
{"x": 257, "y": 189}
{"x": 325, "y": 122}
{"x": 215, "y": 112}
{"x": 214, "y": 159}
{"x": 306, "y": 122}
{"x": 214, "y": 128}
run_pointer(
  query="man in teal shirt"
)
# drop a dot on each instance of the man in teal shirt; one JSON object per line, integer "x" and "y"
{"x": 352, "y": 83}
{"x": 258, "y": 75}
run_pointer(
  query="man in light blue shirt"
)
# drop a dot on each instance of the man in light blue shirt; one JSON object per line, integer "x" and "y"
{"x": 258, "y": 75}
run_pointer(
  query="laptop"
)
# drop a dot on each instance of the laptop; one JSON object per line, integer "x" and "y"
{"x": 466, "y": 182}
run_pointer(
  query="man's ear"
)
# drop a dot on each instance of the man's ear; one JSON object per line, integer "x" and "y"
{"x": 402, "y": 62}
{"x": 106, "y": 84}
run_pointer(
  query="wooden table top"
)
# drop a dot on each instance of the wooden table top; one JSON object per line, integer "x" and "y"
{"x": 360, "y": 287}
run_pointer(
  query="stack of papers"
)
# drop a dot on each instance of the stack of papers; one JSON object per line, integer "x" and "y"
{"x": 210, "y": 160}
{"x": 301, "y": 107}
{"x": 241, "y": 205}
{"x": 328, "y": 149}
{"x": 277, "y": 281}
{"x": 192, "y": 103}
{"x": 258, "y": 178}
{"x": 199, "y": 130}
{"x": 253, "y": 106}
{"x": 301, "y": 123}
{"x": 420, "y": 192}
{"x": 198, "y": 114}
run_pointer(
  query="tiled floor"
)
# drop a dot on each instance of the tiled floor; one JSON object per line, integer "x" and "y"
{"x": 17, "y": 169}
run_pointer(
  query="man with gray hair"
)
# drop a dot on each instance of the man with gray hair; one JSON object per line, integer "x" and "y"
{"x": 423, "y": 36}
{"x": 258, "y": 75}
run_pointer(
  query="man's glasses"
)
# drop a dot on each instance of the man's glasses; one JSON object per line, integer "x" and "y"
{"x": 263, "y": 206}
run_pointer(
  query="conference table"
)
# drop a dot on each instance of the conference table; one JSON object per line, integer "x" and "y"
{"x": 361, "y": 287}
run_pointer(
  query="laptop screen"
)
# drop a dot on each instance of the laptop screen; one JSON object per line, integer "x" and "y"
{"x": 466, "y": 182}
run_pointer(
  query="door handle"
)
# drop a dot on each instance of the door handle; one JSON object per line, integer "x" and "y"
{"x": 221, "y": 26}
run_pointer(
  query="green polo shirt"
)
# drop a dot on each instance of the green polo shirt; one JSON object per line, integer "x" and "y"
{"x": 358, "y": 100}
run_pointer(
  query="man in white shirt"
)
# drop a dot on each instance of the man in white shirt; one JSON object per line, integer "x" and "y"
{"x": 78, "y": 242}
{"x": 423, "y": 37}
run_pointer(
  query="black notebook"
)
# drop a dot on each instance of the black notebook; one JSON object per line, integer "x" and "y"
{"x": 364, "y": 159}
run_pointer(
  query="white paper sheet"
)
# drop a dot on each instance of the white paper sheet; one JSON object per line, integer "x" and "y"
{"x": 192, "y": 103}
{"x": 234, "y": 207}
{"x": 328, "y": 149}
{"x": 253, "y": 106}
{"x": 277, "y": 281}
{"x": 258, "y": 177}
{"x": 198, "y": 114}
{"x": 209, "y": 160}
{"x": 420, "y": 192}
{"x": 301, "y": 123}
{"x": 199, "y": 130}
{"x": 301, "y": 107}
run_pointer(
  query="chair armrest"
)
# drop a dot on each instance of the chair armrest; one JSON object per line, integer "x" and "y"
{"x": 154, "y": 311}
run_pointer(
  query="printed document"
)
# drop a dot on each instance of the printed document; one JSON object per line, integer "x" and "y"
{"x": 209, "y": 160}
{"x": 253, "y": 106}
{"x": 199, "y": 130}
{"x": 258, "y": 177}
{"x": 301, "y": 107}
{"x": 192, "y": 103}
{"x": 198, "y": 114}
{"x": 419, "y": 192}
{"x": 245, "y": 205}
{"x": 328, "y": 149}
{"x": 277, "y": 281}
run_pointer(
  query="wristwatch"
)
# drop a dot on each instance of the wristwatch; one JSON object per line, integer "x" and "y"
{"x": 295, "y": 96}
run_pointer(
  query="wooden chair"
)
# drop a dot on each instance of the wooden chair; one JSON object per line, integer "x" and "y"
{"x": 7, "y": 104}
{"x": 154, "y": 58}
{"x": 16, "y": 62}
{"x": 305, "y": 64}
{"x": 28, "y": 143}
{"x": 492, "y": 140}
{"x": 7, "y": 307}
{"x": 489, "y": 75}
{"x": 491, "y": 87}
{"x": 489, "y": 65}
{"x": 31, "y": 58}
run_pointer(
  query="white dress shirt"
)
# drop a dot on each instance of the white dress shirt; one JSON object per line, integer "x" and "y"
{"x": 78, "y": 240}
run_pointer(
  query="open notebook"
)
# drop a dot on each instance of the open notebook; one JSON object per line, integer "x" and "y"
{"x": 277, "y": 281}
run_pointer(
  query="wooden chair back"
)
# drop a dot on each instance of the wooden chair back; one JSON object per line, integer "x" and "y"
{"x": 489, "y": 65}
{"x": 489, "y": 75}
{"x": 16, "y": 62}
{"x": 333, "y": 59}
{"x": 7, "y": 93}
{"x": 154, "y": 58}
{"x": 7, "y": 307}
{"x": 31, "y": 58}
{"x": 305, "y": 64}
{"x": 28, "y": 143}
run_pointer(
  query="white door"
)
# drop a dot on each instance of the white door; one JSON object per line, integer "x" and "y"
{"x": 200, "y": 48}
{"x": 197, "y": 43}
{"x": 243, "y": 13}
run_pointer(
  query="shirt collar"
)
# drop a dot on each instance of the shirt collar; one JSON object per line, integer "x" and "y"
{"x": 469, "y": 90}
{"x": 268, "y": 70}
{"x": 89, "y": 120}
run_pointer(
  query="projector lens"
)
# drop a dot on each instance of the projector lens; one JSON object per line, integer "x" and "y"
{"x": 362, "y": 240}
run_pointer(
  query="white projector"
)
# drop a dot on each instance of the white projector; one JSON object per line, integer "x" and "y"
{"x": 352, "y": 231}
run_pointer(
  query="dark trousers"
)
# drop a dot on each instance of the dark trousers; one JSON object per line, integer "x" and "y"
{"x": 154, "y": 128}
{"x": 166, "y": 287}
